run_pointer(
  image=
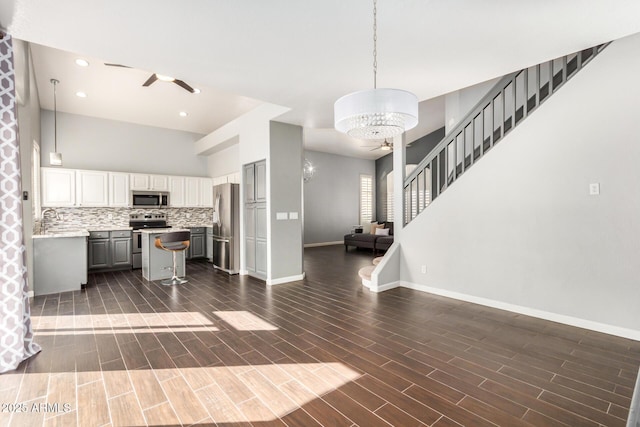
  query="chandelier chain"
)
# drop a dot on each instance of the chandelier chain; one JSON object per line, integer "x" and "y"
{"x": 375, "y": 45}
{"x": 55, "y": 116}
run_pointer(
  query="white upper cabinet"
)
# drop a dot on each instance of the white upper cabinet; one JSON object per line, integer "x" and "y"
{"x": 206, "y": 193}
{"x": 92, "y": 188}
{"x": 147, "y": 182}
{"x": 159, "y": 182}
{"x": 119, "y": 189}
{"x": 58, "y": 187}
{"x": 176, "y": 188}
{"x": 198, "y": 192}
{"x": 192, "y": 191}
{"x": 139, "y": 181}
{"x": 71, "y": 187}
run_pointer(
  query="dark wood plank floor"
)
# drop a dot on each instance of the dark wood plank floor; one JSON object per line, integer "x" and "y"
{"x": 230, "y": 351}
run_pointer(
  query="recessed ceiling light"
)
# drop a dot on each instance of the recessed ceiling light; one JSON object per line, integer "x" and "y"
{"x": 164, "y": 78}
{"x": 81, "y": 94}
{"x": 183, "y": 114}
{"x": 82, "y": 62}
{"x": 196, "y": 91}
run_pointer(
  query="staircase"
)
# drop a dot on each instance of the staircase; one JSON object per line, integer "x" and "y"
{"x": 503, "y": 108}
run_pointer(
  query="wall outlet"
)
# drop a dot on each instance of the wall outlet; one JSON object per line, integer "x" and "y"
{"x": 110, "y": 216}
{"x": 423, "y": 269}
{"x": 594, "y": 189}
{"x": 188, "y": 215}
{"x": 61, "y": 217}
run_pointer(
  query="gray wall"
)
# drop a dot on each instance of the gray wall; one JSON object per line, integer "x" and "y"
{"x": 521, "y": 228}
{"x": 331, "y": 198}
{"x": 99, "y": 144}
{"x": 285, "y": 177}
{"x": 384, "y": 165}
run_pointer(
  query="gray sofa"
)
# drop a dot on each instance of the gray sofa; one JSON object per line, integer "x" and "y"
{"x": 370, "y": 241}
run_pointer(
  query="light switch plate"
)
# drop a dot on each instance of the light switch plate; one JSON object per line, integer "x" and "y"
{"x": 594, "y": 189}
{"x": 281, "y": 216}
{"x": 293, "y": 215}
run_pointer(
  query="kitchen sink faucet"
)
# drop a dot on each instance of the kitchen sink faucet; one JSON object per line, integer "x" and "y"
{"x": 43, "y": 218}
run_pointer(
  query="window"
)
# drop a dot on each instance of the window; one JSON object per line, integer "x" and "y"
{"x": 390, "y": 204}
{"x": 366, "y": 199}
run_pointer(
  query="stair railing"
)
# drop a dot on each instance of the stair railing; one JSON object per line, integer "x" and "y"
{"x": 504, "y": 107}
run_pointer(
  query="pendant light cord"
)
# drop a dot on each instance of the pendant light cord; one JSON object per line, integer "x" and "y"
{"x": 55, "y": 117}
{"x": 375, "y": 45}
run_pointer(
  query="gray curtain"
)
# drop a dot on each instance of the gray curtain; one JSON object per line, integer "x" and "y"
{"x": 16, "y": 335}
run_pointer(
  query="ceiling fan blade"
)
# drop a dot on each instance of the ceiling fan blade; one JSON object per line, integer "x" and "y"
{"x": 150, "y": 80}
{"x": 184, "y": 85}
{"x": 116, "y": 65}
{"x": 374, "y": 149}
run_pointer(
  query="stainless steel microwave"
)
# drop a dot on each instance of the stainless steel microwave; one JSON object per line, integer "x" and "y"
{"x": 149, "y": 199}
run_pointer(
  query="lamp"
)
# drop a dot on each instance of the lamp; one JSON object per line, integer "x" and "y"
{"x": 308, "y": 170}
{"x": 376, "y": 113}
{"x": 55, "y": 158}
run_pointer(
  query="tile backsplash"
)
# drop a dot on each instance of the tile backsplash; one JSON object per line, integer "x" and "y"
{"x": 87, "y": 218}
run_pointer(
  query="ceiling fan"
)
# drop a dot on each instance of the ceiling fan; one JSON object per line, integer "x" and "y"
{"x": 156, "y": 76}
{"x": 385, "y": 146}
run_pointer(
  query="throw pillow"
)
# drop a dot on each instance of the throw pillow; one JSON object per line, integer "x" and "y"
{"x": 382, "y": 231}
{"x": 375, "y": 227}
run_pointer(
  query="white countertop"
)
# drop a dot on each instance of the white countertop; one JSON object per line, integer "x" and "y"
{"x": 160, "y": 230}
{"x": 62, "y": 233}
{"x": 109, "y": 228}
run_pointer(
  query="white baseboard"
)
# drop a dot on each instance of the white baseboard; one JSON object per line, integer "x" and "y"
{"x": 386, "y": 286}
{"x": 540, "y": 314}
{"x": 315, "y": 245}
{"x": 282, "y": 280}
{"x": 243, "y": 272}
{"x": 30, "y": 294}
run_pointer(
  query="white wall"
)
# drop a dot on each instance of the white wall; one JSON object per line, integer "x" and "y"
{"x": 459, "y": 103}
{"x": 332, "y": 197}
{"x": 224, "y": 162}
{"x": 520, "y": 228}
{"x": 99, "y": 144}
{"x": 29, "y": 132}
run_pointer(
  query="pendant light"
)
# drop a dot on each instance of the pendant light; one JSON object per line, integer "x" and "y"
{"x": 376, "y": 113}
{"x": 55, "y": 158}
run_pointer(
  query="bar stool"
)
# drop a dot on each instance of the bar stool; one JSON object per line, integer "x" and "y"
{"x": 174, "y": 242}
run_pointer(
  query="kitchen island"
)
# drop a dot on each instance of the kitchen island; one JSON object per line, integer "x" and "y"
{"x": 157, "y": 264}
{"x": 60, "y": 261}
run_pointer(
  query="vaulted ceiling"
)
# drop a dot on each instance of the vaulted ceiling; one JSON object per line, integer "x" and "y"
{"x": 299, "y": 54}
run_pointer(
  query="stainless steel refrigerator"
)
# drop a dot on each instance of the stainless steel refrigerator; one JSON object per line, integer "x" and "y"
{"x": 226, "y": 227}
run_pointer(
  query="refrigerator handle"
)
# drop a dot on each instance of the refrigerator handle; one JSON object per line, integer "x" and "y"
{"x": 216, "y": 209}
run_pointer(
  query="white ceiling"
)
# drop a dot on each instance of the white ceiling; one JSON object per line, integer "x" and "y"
{"x": 302, "y": 54}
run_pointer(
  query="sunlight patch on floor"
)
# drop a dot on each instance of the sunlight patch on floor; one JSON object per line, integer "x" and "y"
{"x": 245, "y": 321}
{"x": 84, "y": 324}
{"x": 224, "y": 394}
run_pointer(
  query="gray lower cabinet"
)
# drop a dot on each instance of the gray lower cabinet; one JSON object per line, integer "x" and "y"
{"x": 109, "y": 250}
{"x": 121, "y": 252}
{"x": 198, "y": 243}
{"x": 98, "y": 250}
{"x": 209, "y": 244}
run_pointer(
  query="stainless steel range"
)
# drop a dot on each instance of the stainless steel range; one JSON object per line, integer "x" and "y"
{"x": 143, "y": 221}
